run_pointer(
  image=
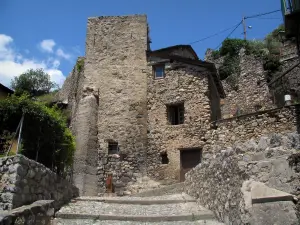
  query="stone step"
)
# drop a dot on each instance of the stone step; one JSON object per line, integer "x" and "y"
{"x": 151, "y": 213}
{"x": 166, "y": 190}
{"x": 167, "y": 209}
{"x": 166, "y": 199}
{"x": 59, "y": 221}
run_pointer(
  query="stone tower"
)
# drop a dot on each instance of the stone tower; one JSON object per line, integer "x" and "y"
{"x": 109, "y": 110}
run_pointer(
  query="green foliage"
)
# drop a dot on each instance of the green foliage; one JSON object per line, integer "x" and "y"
{"x": 5, "y": 140}
{"x": 256, "y": 48}
{"x": 48, "y": 98}
{"x": 230, "y": 66}
{"x": 233, "y": 82}
{"x": 274, "y": 35}
{"x": 80, "y": 65}
{"x": 267, "y": 50}
{"x": 45, "y": 132}
{"x": 272, "y": 63}
{"x": 215, "y": 54}
{"x": 231, "y": 46}
{"x": 33, "y": 82}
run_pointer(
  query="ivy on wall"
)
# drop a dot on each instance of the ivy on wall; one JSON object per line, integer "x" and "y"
{"x": 45, "y": 134}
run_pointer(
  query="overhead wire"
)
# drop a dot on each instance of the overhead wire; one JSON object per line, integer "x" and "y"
{"x": 235, "y": 27}
{"x": 269, "y": 18}
{"x": 230, "y": 33}
{"x": 210, "y": 36}
{"x": 262, "y": 14}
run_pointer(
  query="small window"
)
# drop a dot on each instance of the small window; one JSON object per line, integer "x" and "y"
{"x": 113, "y": 147}
{"x": 159, "y": 71}
{"x": 164, "y": 158}
{"x": 175, "y": 114}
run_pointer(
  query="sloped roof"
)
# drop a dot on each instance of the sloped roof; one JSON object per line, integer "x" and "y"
{"x": 165, "y": 53}
{"x": 8, "y": 90}
{"x": 175, "y": 47}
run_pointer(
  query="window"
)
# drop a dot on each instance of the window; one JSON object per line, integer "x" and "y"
{"x": 175, "y": 114}
{"x": 164, "y": 158}
{"x": 159, "y": 71}
{"x": 113, "y": 147}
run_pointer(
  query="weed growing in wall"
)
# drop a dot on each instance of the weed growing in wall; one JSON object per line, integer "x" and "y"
{"x": 80, "y": 65}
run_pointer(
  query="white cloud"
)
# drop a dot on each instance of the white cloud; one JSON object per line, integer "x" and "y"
{"x": 61, "y": 53}
{"x": 47, "y": 45}
{"x": 12, "y": 63}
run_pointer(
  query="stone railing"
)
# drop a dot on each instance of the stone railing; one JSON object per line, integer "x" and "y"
{"x": 253, "y": 125}
{"x": 24, "y": 181}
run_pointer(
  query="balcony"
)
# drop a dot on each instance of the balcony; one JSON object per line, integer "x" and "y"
{"x": 291, "y": 14}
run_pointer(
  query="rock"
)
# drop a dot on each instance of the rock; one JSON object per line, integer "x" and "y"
{"x": 263, "y": 143}
{"x": 127, "y": 192}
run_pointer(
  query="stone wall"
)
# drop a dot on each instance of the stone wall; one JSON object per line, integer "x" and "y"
{"x": 182, "y": 84}
{"x": 252, "y": 93}
{"x": 243, "y": 128}
{"x": 72, "y": 89}
{"x": 223, "y": 180}
{"x": 114, "y": 70}
{"x": 38, "y": 213}
{"x": 24, "y": 181}
{"x": 288, "y": 84}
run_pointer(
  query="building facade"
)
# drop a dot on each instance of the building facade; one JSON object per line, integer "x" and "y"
{"x": 5, "y": 91}
{"x": 136, "y": 111}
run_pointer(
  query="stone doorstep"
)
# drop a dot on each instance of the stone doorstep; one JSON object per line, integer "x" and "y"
{"x": 204, "y": 215}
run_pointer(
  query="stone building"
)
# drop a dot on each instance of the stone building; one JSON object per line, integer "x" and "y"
{"x": 5, "y": 91}
{"x": 137, "y": 111}
{"x": 183, "y": 98}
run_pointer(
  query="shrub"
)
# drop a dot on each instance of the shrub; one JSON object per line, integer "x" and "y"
{"x": 229, "y": 66}
{"x": 231, "y": 46}
{"x": 80, "y": 65}
{"x": 256, "y": 48}
{"x": 45, "y": 133}
{"x": 215, "y": 54}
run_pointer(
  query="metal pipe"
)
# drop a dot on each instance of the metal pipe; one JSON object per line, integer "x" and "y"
{"x": 284, "y": 73}
{"x": 12, "y": 141}
{"x": 20, "y": 133}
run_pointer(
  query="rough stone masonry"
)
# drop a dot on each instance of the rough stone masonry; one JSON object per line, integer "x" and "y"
{"x": 137, "y": 111}
{"x": 120, "y": 108}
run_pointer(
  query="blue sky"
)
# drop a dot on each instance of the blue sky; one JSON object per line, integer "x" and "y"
{"x": 51, "y": 34}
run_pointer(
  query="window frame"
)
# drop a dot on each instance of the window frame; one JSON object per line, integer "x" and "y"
{"x": 154, "y": 67}
{"x": 110, "y": 147}
{"x": 176, "y": 113}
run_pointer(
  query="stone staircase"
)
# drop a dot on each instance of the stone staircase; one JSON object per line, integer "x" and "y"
{"x": 167, "y": 209}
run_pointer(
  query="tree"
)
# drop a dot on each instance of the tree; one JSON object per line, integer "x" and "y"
{"x": 34, "y": 82}
{"x": 45, "y": 135}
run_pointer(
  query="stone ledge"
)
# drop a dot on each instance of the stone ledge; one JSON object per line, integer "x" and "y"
{"x": 260, "y": 193}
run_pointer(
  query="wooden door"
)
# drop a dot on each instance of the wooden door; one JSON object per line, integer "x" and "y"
{"x": 189, "y": 158}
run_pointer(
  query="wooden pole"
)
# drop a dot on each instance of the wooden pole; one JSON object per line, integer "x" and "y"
{"x": 245, "y": 29}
